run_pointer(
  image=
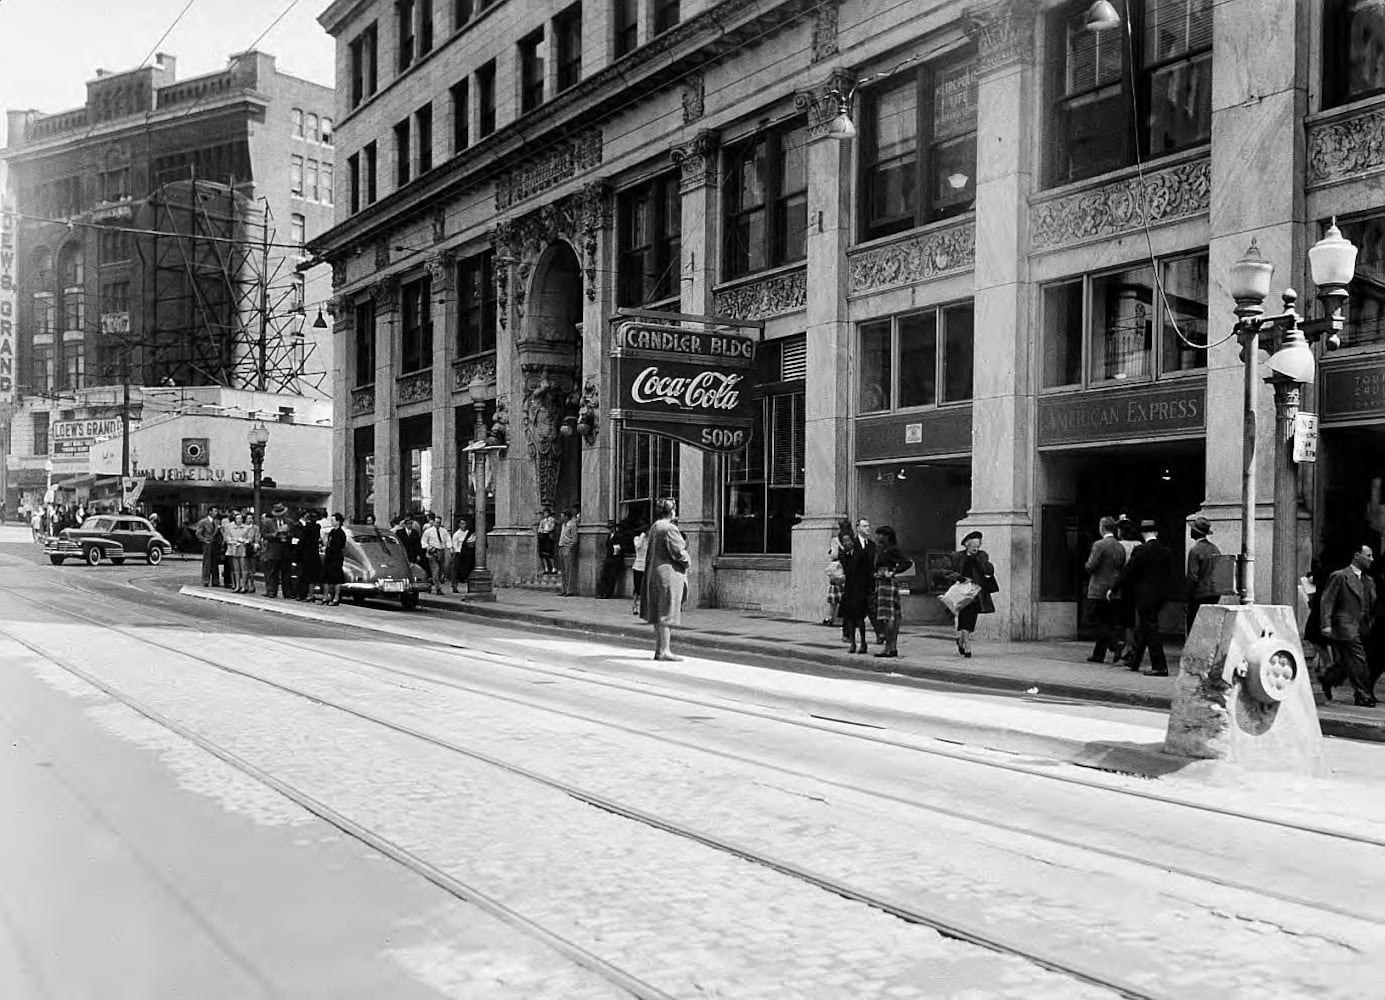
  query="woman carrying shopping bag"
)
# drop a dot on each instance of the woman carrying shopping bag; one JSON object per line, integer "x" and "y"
{"x": 971, "y": 565}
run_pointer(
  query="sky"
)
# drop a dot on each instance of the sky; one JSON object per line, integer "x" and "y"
{"x": 53, "y": 47}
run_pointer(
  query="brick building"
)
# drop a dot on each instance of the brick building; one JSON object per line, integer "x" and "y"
{"x": 141, "y": 246}
{"x": 1000, "y": 305}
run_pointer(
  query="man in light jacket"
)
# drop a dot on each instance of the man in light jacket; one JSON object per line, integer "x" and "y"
{"x": 567, "y": 551}
{"x": 1103, "y": 566}
{"x": 437, "y": 546}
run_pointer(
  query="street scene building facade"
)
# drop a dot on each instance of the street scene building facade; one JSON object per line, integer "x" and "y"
{"x": 158, "y": 232}
{"x": 996, "y": 301}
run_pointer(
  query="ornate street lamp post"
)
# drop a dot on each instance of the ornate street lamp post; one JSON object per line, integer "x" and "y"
{"x": 1333, "y": 263}
{"x": 480, "y": 586}
{"x": 258, "y": 438}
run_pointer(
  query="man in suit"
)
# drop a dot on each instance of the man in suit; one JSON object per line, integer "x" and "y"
{"x": 612, "y": 562}
{"x": 567, "y": 551}
{"x": 206, "y": 532}
{"x": 866, "y": 539}
{"x": 1201, "y": 582}
{"x": 274, "y": 530}
{"x": 1148, "y": 579}
{"x": 1104, "y": 564}
{"x": 1348, "y": 614}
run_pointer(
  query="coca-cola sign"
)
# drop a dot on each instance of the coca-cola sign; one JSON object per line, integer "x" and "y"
{"x": 692, "y": 385}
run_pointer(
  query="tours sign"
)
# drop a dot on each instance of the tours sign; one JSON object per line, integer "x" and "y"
{"x": 693, "y": 385}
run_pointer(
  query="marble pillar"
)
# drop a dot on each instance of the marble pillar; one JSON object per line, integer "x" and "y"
{"x": 442, "y": 275}
{"x": 386, "y": 419}
{"x": 596, "y": 254}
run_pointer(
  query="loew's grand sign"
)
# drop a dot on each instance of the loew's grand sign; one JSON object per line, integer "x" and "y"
{"x": 9, "y": 250}
{"x": 695, "y": 386}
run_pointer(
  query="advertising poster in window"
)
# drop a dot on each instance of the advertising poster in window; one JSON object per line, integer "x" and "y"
{"x": 694, "y": 386}
{"x": 9, "y": 254}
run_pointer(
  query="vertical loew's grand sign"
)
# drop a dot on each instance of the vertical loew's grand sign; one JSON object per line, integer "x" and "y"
{"x": 9, "y": 278}
{"x": 695, "y": 386}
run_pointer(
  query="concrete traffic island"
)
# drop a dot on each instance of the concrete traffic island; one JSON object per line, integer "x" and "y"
{"x": 1243, "y": 694}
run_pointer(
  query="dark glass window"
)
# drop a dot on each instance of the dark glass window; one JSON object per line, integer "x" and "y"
{"x": 402, "y": 152}
{"x": 485, "y": 97}
{"x": 425, "y": 27}
{"x": 363, "y": 448}
{"x": 364, "y": 78}
{"x": 766, "y": 201}
{"x": 916, "y": 359}
{"x": 476, "y": 304}
{"x": 423, "y": 129}
{"x": 567, "y": 36}
{"x": 462, "y": 12}
{"x": 461, "y": 116}
{"x": 417, "y": 348}
{"x": 649, "y": 472}
{"x": 650, "y": 241}
{"x": 1366, "y": 308}
{"x": 365, "y": 342}
{"x": 404, "y": 21}
{"x": 531, "y": 60}
{"x": 1353, "y": 50}
{"x": 764, "y": 490}
{"x": 1101, "y": 77}
{"x": 665, "y": 15}
{"x": 627, "y": 26}
{"x": 372, "y": 163}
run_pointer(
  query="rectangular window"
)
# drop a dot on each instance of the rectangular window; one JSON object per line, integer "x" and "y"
{"x": 423, "y": 129}
{"x": 45, "y": 315}
{"x": 485, "y": 99}
{"x": 650, "y": 241}
{"x": 327, "y": 197}
{"x": 665, "y": 15}
{"x": 44, "y": 379}
{"x": 649, "y": 472}
{"x": 933, "y": 111}
{"x": 1353, "y": 50}
{"x": 1126, "y": 325}
{"x": 764, "y": 490}
{"x": 627, "y": 26}
{"x": 425, "y": 27}
{"x": 363, "y": 450}
{"x": 40, "y": 426}
{"x": 766, "y": 201}
{"x": 417, "y": 347}
{"x": 476, "y": 304}
{"x": 567, "y": 36}
{"x": 298, "y": 229}
{"x": 115, "y": 245}
{"x": 115, "y": 297}
{"x": 403, "y": 149}
{"x": 297, "y": 287}
{"x": 297, "y": 122}
{"x": 462, "y": 12}
{"x": 310, "y": 181}
{"x": 461, "y": 116}
{"x": 916, "y": 359}
{"x": 296, "y": 176}
{"x": 1104, "y": 86}
{"x": 327, "y": 131}
{"x": 310, "y": 127}
{"x": 365, "y": 342}
{"x": 404, "y": 30}
{"x": 531, "y": 70}
{"x": 364, "y": 64}
{"x": 74, "y": 364}
{"x": 372, "y": 166}
{"x": 115, "y": 184}
{"x": 1366, "y": 307}
{"x": 416, "y": 464}
{"x": 353, "y": 181}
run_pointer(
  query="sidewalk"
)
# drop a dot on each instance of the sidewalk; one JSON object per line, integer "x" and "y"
{"x": 1043, "y": 669}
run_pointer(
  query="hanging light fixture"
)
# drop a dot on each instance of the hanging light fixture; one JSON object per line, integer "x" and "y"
{"x": 321, "y": 322}
{"x": 1102, "y": 16}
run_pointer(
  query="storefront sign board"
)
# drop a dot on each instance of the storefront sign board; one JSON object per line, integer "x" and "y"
{"x": 1144, "y": 411}
{"x": 944, "y": 431}
{"x": 1306, "y": 438}
{"x": 693, "y": 385}
{"x": 1353, "y": 392}
{"x": 75, "y": 437}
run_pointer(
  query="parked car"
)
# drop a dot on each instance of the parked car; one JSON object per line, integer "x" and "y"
{"x": 377, "y": 566}
{"x": 108, "y": 536}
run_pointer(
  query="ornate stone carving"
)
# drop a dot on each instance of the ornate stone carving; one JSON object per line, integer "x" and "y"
{"x": 338, "y": 274}
{"x": 414, "y": 387}
{"x": 594, "y": 217}
{"x": 1176, "y": 192}
{"x": 467, "y": 371}
{"x": 1003, "y": 32}
{"x": 439, "y": 225}
{"x": 522, "y": 273}
{"x": 697, "y": 160}
{"x": 779, "y": 293}
{"x": 825, "y": 31}
{"x": 694, "y": 98}
{"x": 561, "y": 163}
{"x": 546, "y": 400}
{"x": 1346, "y": 147}
{"x": 382, "y": 254}
{"x": 500, "y": 423}
{"x": 823, "y": 105}
{"x": 914, "y": 258}
{"x": 502, "y": 293}
{"x": 580, "y": 219}
{"x": 387, "y": 294}
{"x": 363, "y": 400}
{"x": 589, "y": 410}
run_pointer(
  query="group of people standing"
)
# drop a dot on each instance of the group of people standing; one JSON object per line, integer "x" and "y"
{"x": 557, "y": 541}
{"x": 447, "y": 556}
{"x": 296, "y": 557}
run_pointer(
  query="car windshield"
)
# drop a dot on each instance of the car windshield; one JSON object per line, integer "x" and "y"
{"x": 97, "y": 524}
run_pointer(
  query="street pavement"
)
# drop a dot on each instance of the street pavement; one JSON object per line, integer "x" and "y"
{"x": 220, "y": 795}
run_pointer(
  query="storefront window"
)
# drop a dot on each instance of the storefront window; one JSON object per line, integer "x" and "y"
{"x": 1366, "y": 307}
{"x": 1353, "y": 50}
{"x": 416, "y": 465}
{"x": 764, "y": 496}
{"x": 905, "y": 361}
{"x": 1114, "y": 317}
{"x": 649, "y": 472}
{"x": 364, "y": 492}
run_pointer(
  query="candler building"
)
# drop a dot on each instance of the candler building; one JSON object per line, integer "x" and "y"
{"x": 999, "y": 305}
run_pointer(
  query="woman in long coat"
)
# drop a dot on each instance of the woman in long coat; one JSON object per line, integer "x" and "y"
{"x": 334, "y": 561}
{"x": 971, "y": 563}
{"x": 890, "y": 561}
{"x": 665, "y": 578}
{"x": 857, "y": 585}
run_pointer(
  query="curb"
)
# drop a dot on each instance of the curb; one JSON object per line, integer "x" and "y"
{"x": 805, "y": 660}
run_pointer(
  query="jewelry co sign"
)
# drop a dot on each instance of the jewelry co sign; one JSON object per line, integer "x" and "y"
{"x": 694, "y": 386}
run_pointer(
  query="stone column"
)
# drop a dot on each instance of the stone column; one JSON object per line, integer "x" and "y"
{"x": 343, "y": 382}
{"x": 512, "y": 552}
{"x": 596, "y": 252}
{"x": 1258, "y": 94}
{"x": 386, "y": 428}
{"x": 443, "y": 309}
{"x": 827, "y": 401}
{"x": 699, "y": 478}
{"x": 1002, "y": 402}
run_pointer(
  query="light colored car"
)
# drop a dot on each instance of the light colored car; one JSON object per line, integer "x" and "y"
{"x": 377, "y": 566}
{"x": 108, "y": 536}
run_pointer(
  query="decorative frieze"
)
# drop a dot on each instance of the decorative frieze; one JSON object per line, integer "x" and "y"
{"x": 779, "y": 293}
{"x": 694, "y": 98}
{"x": 1003, "y": 32}
{"x": 1177, "y": 192}
{"x": 551, "y": 168}
{"x": 913, "y": 259}
{"x": 416, "y": 387}
{"x": 825, "y": 31}
{"x": 387, "y": 294}
{"x": 579, "y": 218}
{"x": 362, "y": 400}
{"x": 338, "y": 274}
{"x": 1346, "y": 147}
{"x": 696, "y": 160}
{"x": 382, "y": 253}
{"x": 469, "y": 370}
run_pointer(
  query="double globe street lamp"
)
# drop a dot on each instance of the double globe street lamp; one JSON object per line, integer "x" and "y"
{"x": 1332, "y": 261}
{"x": 258, "y": 438}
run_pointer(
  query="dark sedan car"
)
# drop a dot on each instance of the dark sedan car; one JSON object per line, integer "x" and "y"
{"x": 108, "y": 536}
{"x": 376, "y": 566}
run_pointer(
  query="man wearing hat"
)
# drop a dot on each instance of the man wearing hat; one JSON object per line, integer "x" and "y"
{"x": 1147, "y": 579}
{"x": 1202, "y": 560}
{"x": 612, "y": 561}
{"x": 275, "y": 532}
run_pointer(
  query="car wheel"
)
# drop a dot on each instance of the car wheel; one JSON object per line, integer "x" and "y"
{"x": 409, "y": 600}
{"x": 117, "y": 561}
{"x": 156, "y": 555}
{"x": 93, "y": 555}
{"x": 56, "y": 560}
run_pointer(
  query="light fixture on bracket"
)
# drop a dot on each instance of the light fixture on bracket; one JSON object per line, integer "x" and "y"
{"x": 1102, "y": 16}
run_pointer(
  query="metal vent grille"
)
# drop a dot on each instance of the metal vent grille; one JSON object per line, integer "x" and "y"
{"x": 793, "y": 359}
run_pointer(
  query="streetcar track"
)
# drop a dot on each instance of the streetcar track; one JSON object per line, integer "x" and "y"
{"x": 976, "y": 936}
